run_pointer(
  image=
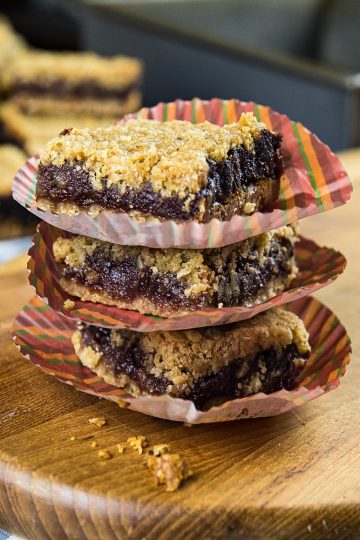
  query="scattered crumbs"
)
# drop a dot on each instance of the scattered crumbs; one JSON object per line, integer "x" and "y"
{"x": 249, "y": 208}
{"x": 104, "y": 454}
{"x": 99, "y": 421}
{"x": 159, "y": 450}
{"x": 69, "y": 304}
{"x": 93, "y": 444}
{"x": 309, "y": 528}
{"x": 123, "y": 404}
{"x": 72, "y": 438}
{"x": 168, "y": 469}
{"x": 138, "y": 443}
{"x": 120, "y": 448}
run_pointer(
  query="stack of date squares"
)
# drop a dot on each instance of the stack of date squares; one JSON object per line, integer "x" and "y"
{"x": 170, "y": 262}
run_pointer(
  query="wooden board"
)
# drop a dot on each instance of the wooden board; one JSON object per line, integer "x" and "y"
{"x": 295, "y": 476}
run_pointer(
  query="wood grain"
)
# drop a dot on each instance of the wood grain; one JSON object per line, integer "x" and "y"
{"x": 295, "y": 476}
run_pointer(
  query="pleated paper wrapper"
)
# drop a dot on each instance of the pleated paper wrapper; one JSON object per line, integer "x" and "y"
{"x": 43, "y": 337}
{"x": 319, "y": 266}
{"x": 314, "y": 181}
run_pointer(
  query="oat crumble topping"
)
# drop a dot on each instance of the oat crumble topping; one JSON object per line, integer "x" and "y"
{"x": 173, "y": 156}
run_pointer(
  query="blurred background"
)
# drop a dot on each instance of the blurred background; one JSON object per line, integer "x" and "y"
{"x": 301, "y": 57}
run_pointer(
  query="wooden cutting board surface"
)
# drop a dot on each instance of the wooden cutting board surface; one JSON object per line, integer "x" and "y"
{"x": 294, "y": 476}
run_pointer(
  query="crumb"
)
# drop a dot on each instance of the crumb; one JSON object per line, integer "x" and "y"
{"x": 120, "y": 448}
{"x": 123, "y": 404}
{"x": 187, "y": 425}
{"x": 138, "y": 443}
{"x": 72, "y": 438}
{"x": 104, "y": 454}
{"x": 249, "y": 208}
{"x": 168, "y": 469}
{"x": 159, "y": 450}
{"x": 69, "y": 304}
{"x": 93, "y": 444}
{"x": 99, "y": 421}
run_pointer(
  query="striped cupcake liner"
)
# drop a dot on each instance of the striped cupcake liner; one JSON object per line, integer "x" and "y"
{"x": 319, "y": 266}
{"x": 314, "y": 181}
{"x": 43, "y": 336}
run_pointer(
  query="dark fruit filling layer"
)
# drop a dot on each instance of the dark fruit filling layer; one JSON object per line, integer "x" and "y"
{"x": 282, "y": 369}
{"x": 239, "y": 284}
{"x": 61, "y": 89}
{"x": 240, "y": 171}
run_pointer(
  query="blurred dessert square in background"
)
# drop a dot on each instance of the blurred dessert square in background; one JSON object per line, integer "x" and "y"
{"x": 14, "y": 219}
{"x": 32, "y": 132}
{"x": 11, "y": 44}
{"x": 46, "y": 92}
{"x": 58, "y": 83}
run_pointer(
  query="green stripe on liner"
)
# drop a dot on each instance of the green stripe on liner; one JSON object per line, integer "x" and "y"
{"x": 24, "y": 332}
{"x": 45, "y": 307}
{"x": 165, "y": 112}
{"x": 193, "y": 111}
{"x": 225, "y": 111}
{"x": 319, "y": 201}
{"x": 257, "y": 112}
{"x": 247, "y": 227}
{"x": 283, "y": 206}
{"x": 31, "y": 191}
{"x": 155, "y": 318}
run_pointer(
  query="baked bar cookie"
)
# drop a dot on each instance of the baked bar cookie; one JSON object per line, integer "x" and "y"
{"x": 66, "y": 83}
{"x": 206, "y": 365}
{"x": 32, "y": 132}
{"x": 11, "y": 44}
{"x": 14, "y": 220}
{"x": 174, "y": 281}
{"x": 162, "y": 170}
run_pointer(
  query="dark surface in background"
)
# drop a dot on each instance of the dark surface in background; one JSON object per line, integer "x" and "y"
{"x": 290, "y": 54}
{"x": 43, "y": 25}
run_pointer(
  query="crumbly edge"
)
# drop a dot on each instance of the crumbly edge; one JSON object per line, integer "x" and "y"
{"x": 44, "y": 67}
{"x": 115, "y": 108}
{"x": 11, "y": 159}
{"x": 172, "y": 156}
{"x": 189, "y": 266}
{"x": 185, "y": 356}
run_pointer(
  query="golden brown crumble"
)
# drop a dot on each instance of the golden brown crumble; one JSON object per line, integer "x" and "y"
{"x": 159, "y": 450}
{"x": 138, "y": 443}
{"x": 69, "y": 304}
{"x": 93, "y": 444}
{"x": 104, "y": 454}
{"x": 168, "y": 469}
{"x": 72, "y": 438}
{"x": 185, "y": 356}
{"x": 189, "y": 266}
{"x": 172, "y": 156}
{"x": 11, "y": 159}
{"x": 120, "y": 448}
{"x": 43, "y": 67}
{"x": 98, "y": 421}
